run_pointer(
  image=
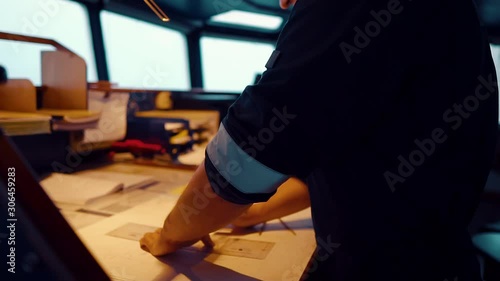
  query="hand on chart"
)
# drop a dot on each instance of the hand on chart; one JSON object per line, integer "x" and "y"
{"x": 153, "y": 243}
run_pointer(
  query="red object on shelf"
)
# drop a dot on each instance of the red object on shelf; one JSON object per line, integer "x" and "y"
{"x": 137, "y": 147}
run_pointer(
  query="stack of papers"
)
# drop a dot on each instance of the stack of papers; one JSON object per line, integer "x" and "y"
{"x": 112, "y": 125}
{"x": 85, "y": 188}
{"x": 22, "y": 123}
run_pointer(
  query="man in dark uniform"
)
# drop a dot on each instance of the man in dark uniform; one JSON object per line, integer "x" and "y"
{"x": 388, "y": 111}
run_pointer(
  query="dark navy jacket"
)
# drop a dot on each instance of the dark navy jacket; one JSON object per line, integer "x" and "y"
{"x": 389, "y": 111}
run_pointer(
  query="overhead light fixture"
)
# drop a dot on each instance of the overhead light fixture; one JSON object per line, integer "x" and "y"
{"x": 249, "y": 19}
{"x": 157, "y": 10}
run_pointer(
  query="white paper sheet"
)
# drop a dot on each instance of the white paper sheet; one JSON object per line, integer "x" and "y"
{"x": 124, "y": 260}
{"x": 78, "y": 190}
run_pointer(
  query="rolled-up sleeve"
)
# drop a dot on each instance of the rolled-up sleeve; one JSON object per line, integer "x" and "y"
{"x": 235, "y": 175}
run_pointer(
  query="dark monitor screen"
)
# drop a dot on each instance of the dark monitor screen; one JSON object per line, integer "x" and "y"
{"x": 37, "y": 243}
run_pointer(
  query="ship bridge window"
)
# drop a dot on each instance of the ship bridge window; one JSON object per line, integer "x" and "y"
{"x": 63, "y": 21}
{"x": 144, "y": 55}
{"x": 230, "y": 65}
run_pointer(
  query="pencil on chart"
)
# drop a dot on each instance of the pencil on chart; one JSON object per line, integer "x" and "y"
{"x": 286, "y": 226}
{"x": 262, "y": 228}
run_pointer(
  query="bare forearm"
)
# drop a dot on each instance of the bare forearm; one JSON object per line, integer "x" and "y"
{"x": 292, "y": 196}
{"x": 199, "y": 211}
